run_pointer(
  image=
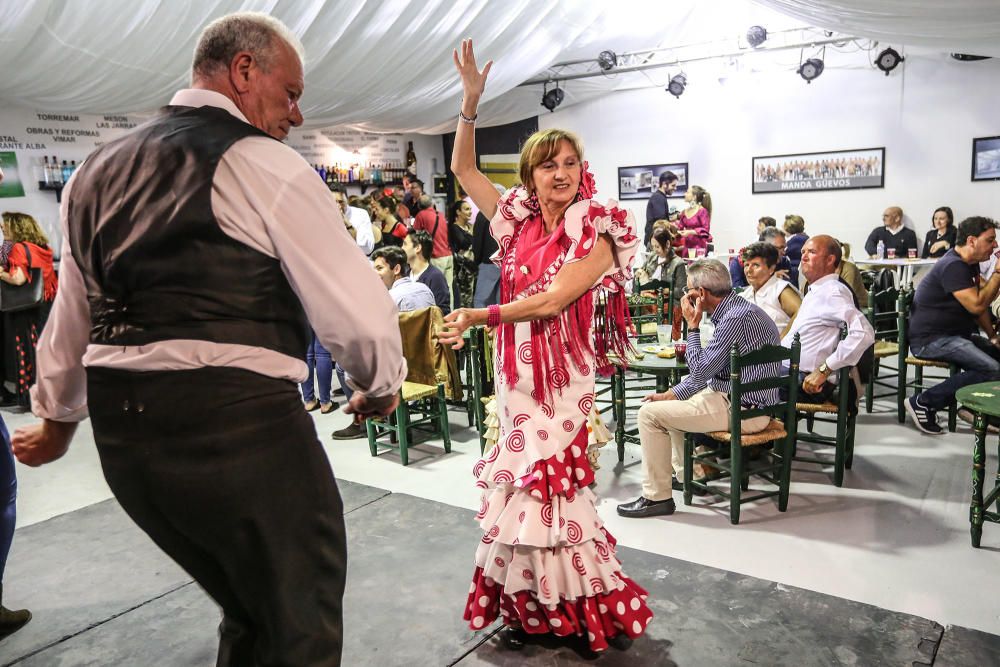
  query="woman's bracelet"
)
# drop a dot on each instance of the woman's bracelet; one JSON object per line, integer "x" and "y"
{"x": 493, "y": 316}
{"x": 465, "y": 119}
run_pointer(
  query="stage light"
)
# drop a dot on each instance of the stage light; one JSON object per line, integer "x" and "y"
{"x": 607, "y": 60}
{"x": 811, "y": 69}
{"x": 888, "y": 60}
{"x": 756, "y": 35}
{"x": 552, "y": 98}
{"x": 677, "y": 84}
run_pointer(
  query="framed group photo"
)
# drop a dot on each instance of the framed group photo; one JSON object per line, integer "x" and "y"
{"x": 828, "y": 170}
{"x": 640, "y": 181}
{"x": 986, "y": 159}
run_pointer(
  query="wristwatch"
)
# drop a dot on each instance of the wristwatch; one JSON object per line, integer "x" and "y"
{"x": 824, "y": 369}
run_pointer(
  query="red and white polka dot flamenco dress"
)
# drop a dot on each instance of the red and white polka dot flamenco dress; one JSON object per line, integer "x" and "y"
{"x": 546, "y": 562}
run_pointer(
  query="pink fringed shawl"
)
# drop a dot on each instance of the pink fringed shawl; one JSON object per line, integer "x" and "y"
{"x": 529, "y": 259}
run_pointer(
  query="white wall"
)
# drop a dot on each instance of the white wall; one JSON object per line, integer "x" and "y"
{"x": 925, "y": 114}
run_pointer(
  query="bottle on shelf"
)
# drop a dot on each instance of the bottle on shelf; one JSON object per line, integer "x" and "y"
{"x": 56, "y": 172}
{"x": 46, "y": 171}
{"x": 411, "y": 159}
{"x": 72, "y": 167}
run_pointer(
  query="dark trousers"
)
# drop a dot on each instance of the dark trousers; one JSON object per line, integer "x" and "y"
{"x": 222, "y": 468}
{"x": 978, "y": 359}
{"x": 8, "y": 497}
{"x": 828, "y": 392}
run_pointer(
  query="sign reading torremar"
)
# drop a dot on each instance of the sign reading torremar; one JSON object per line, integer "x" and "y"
{"x": 344, "y": 146}
{"x": 831, "y": 170}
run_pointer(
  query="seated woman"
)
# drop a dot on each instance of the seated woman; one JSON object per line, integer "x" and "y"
{"x": 941, "y": 238}
{"x": 661, "y": 265}
{"x": 796, "y": 237}
{"x": 774, "y": 295}
{"x": 30, "y": 250}
{"x": 695, "y": 222}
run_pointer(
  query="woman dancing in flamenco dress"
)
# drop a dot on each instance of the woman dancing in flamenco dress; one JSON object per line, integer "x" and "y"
{"x": 546, "y": 564}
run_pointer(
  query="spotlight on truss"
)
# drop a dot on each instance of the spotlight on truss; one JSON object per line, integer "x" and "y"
{"x": 552, "y": 98}
{"x": 678, "y": 83}
{"x": 811, "y": 69}
{"x": 607, "y": 60}
{"x": 756, "y": 35}
{"x": 888, "y": 60}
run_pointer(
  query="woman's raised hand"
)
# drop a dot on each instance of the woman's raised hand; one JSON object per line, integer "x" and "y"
{"x": 473, "y": 81}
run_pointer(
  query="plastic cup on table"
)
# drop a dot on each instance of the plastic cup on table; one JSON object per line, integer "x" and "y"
{"x": 732, "y": 251}
{"x": 890, "y": 253}
{"x": 912, "y": 253}
{"x": 680, "y": 348}
{"x": 664, "y": 333}
{"x": 691, "y": 253}
{"x": 700, "y": 252}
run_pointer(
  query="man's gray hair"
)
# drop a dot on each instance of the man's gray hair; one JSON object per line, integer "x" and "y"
{"x": 712, "y": 275}
{"x": 424, "y": 201}
{"x": 770, "y": 233}
{"x": 226, "y": 36}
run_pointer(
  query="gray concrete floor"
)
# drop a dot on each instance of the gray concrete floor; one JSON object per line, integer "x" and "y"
{"x": 102, "y": 594}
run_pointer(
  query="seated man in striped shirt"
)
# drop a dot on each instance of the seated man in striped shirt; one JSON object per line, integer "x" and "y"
{"x": 700, "y": 403}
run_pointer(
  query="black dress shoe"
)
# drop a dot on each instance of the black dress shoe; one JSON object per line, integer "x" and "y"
{"x": 620, "y": 641}
{"x": 642, "y": 508}
{"x": 513, "y": 638}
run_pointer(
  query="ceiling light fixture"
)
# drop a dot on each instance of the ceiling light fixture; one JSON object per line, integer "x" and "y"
{"x": 756, "y": 35}
{"x": 607, "y": 60}
{"x": 552, "y": 98}
{"x": 888, "y": 60}
{"x": 811, "y": 69}
{"x": 678, "y": 83}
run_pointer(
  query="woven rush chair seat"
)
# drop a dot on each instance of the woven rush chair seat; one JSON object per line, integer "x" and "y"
{"x": 414, "y": 391}
{"x": 885, "y": 348}
{"x": 828, "y": 407}
{"x": 917, "y": 361}
{"x": 774, "y": 430}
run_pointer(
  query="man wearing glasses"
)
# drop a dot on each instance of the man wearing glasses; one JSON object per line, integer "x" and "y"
{"x": 700, "y": 403}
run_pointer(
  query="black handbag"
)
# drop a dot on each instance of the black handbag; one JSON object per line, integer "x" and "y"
{"x": 14, "y": 298}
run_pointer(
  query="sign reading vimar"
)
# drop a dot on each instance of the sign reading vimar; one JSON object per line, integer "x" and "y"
{"x": 49, "y": 131}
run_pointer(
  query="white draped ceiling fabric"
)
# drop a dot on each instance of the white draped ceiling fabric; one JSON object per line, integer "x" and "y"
{"x": 955, "y": 26}
{"x": 385, "y": 65}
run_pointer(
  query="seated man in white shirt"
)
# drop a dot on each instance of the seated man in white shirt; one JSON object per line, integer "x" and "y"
{"x": 358, "y": 222}
{"x": 826, "y": 306}
{"x": 391, "y": 265}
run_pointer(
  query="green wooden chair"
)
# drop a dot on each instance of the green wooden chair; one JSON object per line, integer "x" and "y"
{"x": 423, "y": 405}
{"x": 422, "y": 410}
{"x": 478, "y": 374}
{"x": 883, "y": 315}
{"x": 906, "y": 360}
{"x": 845, "y": 419}
{"x": 776, "y": 466}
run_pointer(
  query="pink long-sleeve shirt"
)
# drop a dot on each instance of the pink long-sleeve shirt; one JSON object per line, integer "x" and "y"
{"x": 266, "y": 196}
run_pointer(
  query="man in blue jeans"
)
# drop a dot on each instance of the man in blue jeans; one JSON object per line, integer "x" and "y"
{"x": 950, "y": 307}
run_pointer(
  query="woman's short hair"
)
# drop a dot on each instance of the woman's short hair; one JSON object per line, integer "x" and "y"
{"x": 765, "y": 251}
{"x": 23, "y": 227}
{"x": 541, "y": 146}
{"x": 767, "y": 221}
{"x": 947, "y": 211}
{"x": 794, "y": 224}
{"x": 228, "y": 35}
{"x": 712, "y": 276}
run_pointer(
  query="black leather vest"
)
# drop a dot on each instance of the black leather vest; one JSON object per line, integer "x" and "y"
{"x": 154, "y": 260}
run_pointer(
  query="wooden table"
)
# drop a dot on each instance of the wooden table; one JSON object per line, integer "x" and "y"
{"x": 902, "y": 265}
{"x": 984, "y": 400}
{"x": 667, "y": 373}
